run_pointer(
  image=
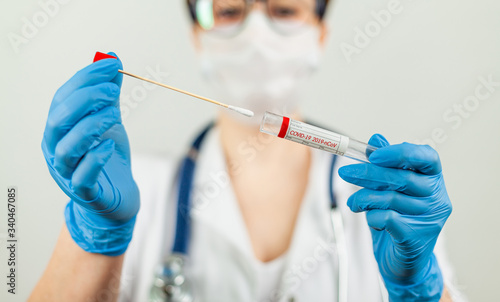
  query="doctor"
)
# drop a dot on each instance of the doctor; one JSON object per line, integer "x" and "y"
{"x": 258, "y": 222}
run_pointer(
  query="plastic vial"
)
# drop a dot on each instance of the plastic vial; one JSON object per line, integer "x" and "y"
{"x": 315, "y": 137}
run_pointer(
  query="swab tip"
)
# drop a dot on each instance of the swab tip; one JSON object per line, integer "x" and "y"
{"x": 243, "y": 111}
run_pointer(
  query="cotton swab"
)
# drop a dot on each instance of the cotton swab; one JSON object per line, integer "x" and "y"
{"x": 99, "y": 56}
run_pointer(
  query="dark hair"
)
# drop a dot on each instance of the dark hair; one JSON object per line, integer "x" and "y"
{"x": 321, "y": 6}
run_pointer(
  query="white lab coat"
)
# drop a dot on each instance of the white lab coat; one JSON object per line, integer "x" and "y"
{"x": 222, "y": 265}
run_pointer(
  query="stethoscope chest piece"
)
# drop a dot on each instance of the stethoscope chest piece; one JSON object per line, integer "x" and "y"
{"x": 170, "y": 283}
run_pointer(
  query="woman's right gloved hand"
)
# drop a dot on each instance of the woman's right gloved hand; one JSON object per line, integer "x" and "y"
{"x": 88, "y": 155}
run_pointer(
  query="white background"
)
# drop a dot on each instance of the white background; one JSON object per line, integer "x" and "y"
{"x": 426, "y": 60}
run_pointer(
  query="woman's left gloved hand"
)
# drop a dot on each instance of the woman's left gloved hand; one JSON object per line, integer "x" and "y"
{"x": 406, "y": 205}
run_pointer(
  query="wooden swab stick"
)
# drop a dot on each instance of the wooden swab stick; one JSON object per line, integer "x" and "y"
{"x": 243, "y": 111}
{"x": 246, "y": 112}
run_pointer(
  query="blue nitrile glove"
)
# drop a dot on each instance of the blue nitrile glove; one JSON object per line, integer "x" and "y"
{"x": 406, "y": 206}
{"x": 87, "y": 152}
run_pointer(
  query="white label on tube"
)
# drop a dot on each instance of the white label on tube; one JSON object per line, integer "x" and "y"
{"x": 316, "y": 137}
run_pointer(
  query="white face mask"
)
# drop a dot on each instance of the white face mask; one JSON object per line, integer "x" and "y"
{"x": 260, "y": 69}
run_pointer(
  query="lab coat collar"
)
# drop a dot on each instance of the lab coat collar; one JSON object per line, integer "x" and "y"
{"x": 214, "y": 202}
{"x": 311, "y": 248}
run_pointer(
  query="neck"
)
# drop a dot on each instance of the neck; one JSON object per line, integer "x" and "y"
{"x": 245, "y": 145}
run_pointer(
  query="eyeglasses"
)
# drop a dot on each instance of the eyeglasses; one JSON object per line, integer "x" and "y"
{"x": 227, "y": 17}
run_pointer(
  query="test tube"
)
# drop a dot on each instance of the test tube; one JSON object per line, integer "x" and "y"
{"x": 315, "y": 137}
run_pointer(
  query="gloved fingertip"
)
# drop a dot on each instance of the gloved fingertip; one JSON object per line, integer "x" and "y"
{"x": 119, "y": 77}
{"x": 344, "y": 172}
{"x": 378, "y": 140}
{"x": 349, "y": 173}
{"x": 376, "y": 219}
{"x": 107, "y": 66}
{"x": 117, "y": 58}
{"x": 375, "y": 157}
{"x": 350, "y": 203}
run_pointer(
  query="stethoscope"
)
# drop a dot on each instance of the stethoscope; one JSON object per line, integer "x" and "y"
{"x": 170, "y": 283}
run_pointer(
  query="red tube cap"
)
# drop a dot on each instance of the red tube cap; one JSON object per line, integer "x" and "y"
{"x": 100, "y": 56}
